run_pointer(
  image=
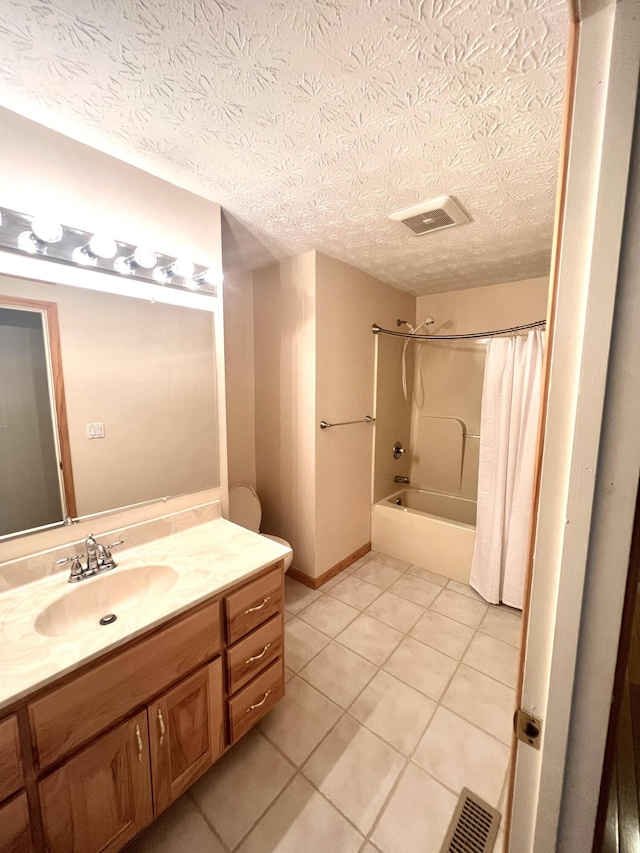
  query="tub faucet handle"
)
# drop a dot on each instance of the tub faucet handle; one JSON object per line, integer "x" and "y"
{"x": 398, "y": 450}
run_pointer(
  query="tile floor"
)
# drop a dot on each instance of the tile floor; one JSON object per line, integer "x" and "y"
{"x": 400, "y": 693}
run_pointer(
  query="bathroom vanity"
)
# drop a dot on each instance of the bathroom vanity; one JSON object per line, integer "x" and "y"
{"x": 91, "y": 755}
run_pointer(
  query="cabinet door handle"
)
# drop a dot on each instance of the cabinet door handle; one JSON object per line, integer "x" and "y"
{"x": 258, "y": 657}
{"x": 259, "y": 704}
{"x": 161, "y": 724}
{"x": 258, "y": 606}
{"x": 139, "y": 739}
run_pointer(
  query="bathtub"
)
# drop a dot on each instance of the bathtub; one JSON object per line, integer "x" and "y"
{"x": 431, "y": 530}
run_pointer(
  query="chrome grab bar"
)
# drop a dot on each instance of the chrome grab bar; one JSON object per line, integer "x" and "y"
{"x": 367, "y": 420}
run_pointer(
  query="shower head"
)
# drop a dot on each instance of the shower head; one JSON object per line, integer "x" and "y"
{"x": 428, "y": 321}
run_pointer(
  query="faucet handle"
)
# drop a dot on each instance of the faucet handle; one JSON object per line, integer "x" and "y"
{"x": 68, "y": 559}
{"x": 77, "y": 570}
{"x": 105, "y": 554}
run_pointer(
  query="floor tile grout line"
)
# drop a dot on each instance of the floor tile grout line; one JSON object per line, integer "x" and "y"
{"x": 476, "y": 630}
{"x": 268, "y": 808}
{"x": 438, "y": 703}
{"x": 288, "y": 761}
{"x": 300, "y": 773}
{"x": 346, "y": 712}
{"x": 410, "y": 760}
{"x": 406, "y": 759}
{"x": 210, "y": 826}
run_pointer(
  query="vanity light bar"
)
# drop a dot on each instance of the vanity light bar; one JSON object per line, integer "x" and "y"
{"x": 42, "y": 236}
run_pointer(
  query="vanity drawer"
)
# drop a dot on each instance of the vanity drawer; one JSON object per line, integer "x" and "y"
{"x": 15, "y": 835}
{"x": 252, "y": 654}
{"x": 11, "y": 777}
{"x": 254, "y": 604}
{"x": 68, "y": 717}
{"x": 254, "y": 700}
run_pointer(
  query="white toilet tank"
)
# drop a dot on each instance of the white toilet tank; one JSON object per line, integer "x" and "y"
{"x": 245, "y": 509}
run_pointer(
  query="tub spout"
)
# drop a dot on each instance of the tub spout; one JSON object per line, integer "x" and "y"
{"x": 399, "y": 479}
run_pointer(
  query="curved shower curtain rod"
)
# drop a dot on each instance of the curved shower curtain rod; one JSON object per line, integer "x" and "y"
{"x": 378, "y": 330}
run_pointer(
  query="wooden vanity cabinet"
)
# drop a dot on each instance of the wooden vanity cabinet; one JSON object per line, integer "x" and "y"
{"x": 11, "y": 775}
{"x": 186, "y": 731}
{"x": 252, "y": 702}
{"x": 114, "y": 744}
{"x": 101, "y": 798}
{"x": 253, "y": 604}
{"x": 15, "y": 832}
{"x": 69, "y": 716}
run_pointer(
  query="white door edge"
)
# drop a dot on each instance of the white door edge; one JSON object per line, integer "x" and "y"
{"x": 605, "y": 98}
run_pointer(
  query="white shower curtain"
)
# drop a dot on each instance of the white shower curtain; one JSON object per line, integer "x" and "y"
{"x": 508, "y": 435}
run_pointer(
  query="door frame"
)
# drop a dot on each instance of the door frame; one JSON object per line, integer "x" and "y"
{"x": 49, "y": 311}
{"x": 590, "y": 456}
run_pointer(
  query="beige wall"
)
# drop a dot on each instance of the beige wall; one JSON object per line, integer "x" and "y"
{"x": 44, "y": 171}
{"x": 452, "y": 375}
{"x": 285, "y": 414}
{"x": 315, "y": 360}
{"x": 240, "y": 380}
{"x": 480, "y": 309}
{"x": 146, "y": 371}
{"x": 348, "y": 303}
{"x": 40, "y": 171}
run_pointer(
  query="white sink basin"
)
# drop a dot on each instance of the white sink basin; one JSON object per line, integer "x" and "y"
{"x": 121, "y": 594}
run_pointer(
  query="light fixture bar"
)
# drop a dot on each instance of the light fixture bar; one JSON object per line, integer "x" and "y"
{"x": 44, "y": 238}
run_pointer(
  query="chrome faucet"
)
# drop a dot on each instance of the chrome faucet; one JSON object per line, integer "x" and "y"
{"x": 99, "y": 560}
{"x": 92, "y": 555}
{"x": 398, "y": 479}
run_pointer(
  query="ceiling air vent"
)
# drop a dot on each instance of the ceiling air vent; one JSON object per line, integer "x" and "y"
{"x": 441, "y": 212}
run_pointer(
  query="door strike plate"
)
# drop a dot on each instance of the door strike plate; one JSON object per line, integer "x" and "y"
{"x": 528, "y": 728}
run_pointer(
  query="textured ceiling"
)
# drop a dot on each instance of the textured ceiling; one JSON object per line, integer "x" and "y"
{"x": 311, "y": 120}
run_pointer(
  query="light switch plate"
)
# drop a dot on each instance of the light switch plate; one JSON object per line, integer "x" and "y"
{"x": 95, "y": 430}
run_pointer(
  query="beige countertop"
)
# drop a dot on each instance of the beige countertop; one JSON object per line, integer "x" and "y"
{"x": 206, "y": 560}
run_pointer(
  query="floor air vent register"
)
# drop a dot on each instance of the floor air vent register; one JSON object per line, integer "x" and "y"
{"x": 474, "y": 826}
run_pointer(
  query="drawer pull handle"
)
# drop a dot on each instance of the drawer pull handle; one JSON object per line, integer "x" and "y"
{"x": 139, "y": 739}
{"x": 259, "y": 704}
{"x": 161, "y": 723}
{"x": 260, "y": 656}
{"x": 258, "y": 606}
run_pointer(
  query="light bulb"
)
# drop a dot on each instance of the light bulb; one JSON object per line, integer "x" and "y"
{"x": 141, "y": 259}
{"x": 98, "y": 246}
{"x": 28, "y": 242}
{"x": 46, "y": 229}
{"x": 43, "y": 232}
{"x": 180, "y": 268}
{"x": 210, "y": 276}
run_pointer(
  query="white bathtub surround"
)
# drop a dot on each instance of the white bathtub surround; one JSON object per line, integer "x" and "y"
{"x": 431, "y": 531}
{"x": 508, "y": 436}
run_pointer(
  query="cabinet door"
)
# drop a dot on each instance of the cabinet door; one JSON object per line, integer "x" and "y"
{"x": 11, "y": 778}
{"x": 15, "y": 836}
{"x": 186, "y": 733}
{"x": 100, "y": 799}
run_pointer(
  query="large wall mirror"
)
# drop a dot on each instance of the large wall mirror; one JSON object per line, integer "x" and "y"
{"x": 106, "y": 401}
